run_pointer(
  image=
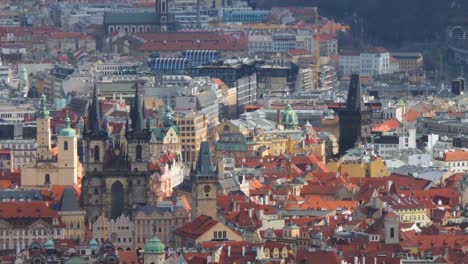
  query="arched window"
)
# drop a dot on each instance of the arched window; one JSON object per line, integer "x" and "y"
{"x": 65, "y": 145}
{"x": 96, "y": 153}
{"x": 138, "y": 154}
{"x": 226, "y": 128}
{"x": 47, "y": 179}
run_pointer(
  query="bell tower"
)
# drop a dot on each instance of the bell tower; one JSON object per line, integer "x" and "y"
{"x": 139, "y": 136}
{"x": 95, "y": 137}
{"x": 44, "y": 133}
{"x": 204, "y": 185}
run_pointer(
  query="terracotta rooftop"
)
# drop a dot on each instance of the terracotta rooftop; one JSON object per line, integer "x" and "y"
{"x": 13, "y": 210}
{"x": 386, "y": 126}
{"x": 456, "y": 155}
{"x": 197, "y": 227}
{"x": 412, "y": 116}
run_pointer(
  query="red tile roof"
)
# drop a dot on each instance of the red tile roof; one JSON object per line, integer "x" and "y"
{"x": 299, "y": 52}
{"x": 386, "y": 126}
{"x": 455, "y": 155}
{"x": 69, "y": 35}
{"x": 176, "y": 41}
{"x": 197, "y": 227}
{"x": 326, "y": 37}
{"x": 128, "y": 256}
{"x": 317, "y": 203}
{"x": 412, "y": 116}
{"x": 13, "y": 210}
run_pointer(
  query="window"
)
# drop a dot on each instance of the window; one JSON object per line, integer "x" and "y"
{"x": 138, "y": 152}
{"x": 215, "y": 235}
{"x": 392, "y": 232}
{"x": 65, "y": 145}
{"x": 96, "y": 153}
{"x": 47, "y": 179}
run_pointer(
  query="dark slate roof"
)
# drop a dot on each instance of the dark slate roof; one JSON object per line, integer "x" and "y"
{"x": 13, "y": 194}
{"x": 204, "y": 163}
{"x": 130, "y": 18}
{"x": 69, "y": 201}
{"x": 386, "y": 139}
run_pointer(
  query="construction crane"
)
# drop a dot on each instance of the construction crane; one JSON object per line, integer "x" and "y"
{"x": 316, "y": 53}
{"x": 104, "y": 226}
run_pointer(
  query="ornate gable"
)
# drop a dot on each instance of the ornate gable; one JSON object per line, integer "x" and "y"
{"x": 40, "y": 224}
{"x": 4, "y": 224}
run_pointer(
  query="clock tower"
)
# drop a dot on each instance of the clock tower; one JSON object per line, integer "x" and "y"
{"x": 204, "y": 185}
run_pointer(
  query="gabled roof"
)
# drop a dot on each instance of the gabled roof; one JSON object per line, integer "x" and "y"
{"x": 197, "y": 227}
{"x": 69, "y": 200}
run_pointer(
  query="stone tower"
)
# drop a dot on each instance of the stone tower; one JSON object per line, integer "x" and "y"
{"x": 391, "y": 228}
{"x": 68, "y": 154}
{"x": 43, "y": 133}
{"x": 117, "y": 177}
{"x": 204, "y": 185}
{"x": 355, "y": 118}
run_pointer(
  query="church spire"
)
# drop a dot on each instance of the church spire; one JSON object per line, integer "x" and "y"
{"x": 204, "y": 165}
{"x": 94, "y": 114}
{"x": 136, "y": 113}
{"x": 355, "y": 101}
{"x": 43, "y": 111}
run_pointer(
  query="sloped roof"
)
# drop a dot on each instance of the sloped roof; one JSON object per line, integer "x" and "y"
{"x": 386, "y": 126}
{"x": 12, "y": 210}
{"x": 69, "y": 200}
{"x": 197, "y": 227}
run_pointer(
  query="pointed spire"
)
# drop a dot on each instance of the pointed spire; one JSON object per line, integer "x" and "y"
{"x": 43, "y": 111}
{"x": 136, "y": 113}
{"x": 355, "y": 101}
{"x": 204, "y": 162}
{"x": 94, "y": 115}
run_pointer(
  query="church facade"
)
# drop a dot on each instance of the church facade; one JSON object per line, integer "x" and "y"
{"x": 117, "y": 171}
{"x": 60, "y": 167}
{"x": 159, "y": 21}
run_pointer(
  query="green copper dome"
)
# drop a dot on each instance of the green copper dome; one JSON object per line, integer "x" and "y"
{"x": 93, "y": 244}
{"x": 154, "y": 246}
{"x": 168, "y": 120}
{"x": 67, "y": 131}
{"x": 49, "y": 244}
{"x": 289, "y": 118}
{"x": 43, "y": 112}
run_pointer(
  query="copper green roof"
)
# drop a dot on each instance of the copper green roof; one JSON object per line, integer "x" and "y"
{"x": 67, "y": 131}
{"x": 43, "y": 111}
{"x": 155, "y": 246}
{"x": 289, "y": 118}
{"x": 49, "y": 244}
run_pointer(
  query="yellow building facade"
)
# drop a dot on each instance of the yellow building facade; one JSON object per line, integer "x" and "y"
{"x": 193, "y": 130}
{"x": 374, "y": 168}
{"x": 62, "y": 168}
